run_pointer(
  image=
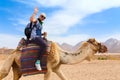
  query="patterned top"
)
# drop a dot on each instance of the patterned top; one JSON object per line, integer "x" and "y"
{"x": 37, "y": 29}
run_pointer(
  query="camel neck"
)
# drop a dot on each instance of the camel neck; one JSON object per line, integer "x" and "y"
{"x": 69, "y": 58}
{"x": 78, "y": 56}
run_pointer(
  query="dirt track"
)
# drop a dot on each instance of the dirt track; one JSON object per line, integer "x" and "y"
{"x": 95, "y": 70}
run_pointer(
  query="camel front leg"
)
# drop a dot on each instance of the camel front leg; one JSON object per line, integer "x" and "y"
{"x": 59, "y": 73}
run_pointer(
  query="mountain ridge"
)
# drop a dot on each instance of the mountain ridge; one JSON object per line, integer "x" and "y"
{"x": 112, "y": 44}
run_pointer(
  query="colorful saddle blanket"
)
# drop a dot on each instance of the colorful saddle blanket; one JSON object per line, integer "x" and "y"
{"x": 28, "y": 59}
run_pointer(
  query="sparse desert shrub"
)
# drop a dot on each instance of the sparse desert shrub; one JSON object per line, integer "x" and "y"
{"x": 102, "y": 58}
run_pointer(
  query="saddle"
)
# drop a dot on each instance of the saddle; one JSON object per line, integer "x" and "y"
{"x": 29, "y": 57}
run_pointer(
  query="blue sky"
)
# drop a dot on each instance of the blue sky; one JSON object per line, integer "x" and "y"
{"x": 67, "y": 21}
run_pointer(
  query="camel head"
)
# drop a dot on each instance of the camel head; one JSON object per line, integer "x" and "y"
{"x": 98, "y": 47}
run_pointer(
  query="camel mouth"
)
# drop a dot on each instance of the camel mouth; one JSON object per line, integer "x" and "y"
{"x": 103, "y": 49}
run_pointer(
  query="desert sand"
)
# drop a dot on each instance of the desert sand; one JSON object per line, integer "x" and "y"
{"x": 94, "y": 70}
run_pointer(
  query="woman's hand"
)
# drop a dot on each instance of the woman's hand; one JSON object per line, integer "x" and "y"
{"x": 45, "y": 34}
{"x": 36, "y": 10}
{"x": 32, "y": 18}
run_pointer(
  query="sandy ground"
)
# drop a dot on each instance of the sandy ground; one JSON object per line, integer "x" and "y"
{"x": 94, "y": 70}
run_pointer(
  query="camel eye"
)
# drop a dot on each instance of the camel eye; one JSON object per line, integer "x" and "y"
{"x": 99, "y": 43}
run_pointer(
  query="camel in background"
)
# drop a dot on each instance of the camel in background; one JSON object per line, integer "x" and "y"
{"x": 56, "y": 57}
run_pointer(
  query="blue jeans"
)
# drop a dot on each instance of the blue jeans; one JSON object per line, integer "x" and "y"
{"x": 43, "y": 46}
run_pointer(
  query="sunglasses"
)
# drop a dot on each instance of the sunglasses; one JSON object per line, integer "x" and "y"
{"x": 43, "y": 16}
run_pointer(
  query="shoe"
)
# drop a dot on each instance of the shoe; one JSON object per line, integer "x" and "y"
{"x": 37, "y": 65}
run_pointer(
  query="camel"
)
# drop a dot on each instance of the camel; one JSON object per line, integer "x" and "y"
{"x": 56, "y": 58}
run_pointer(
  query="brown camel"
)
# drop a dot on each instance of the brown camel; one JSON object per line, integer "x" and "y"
{"x": 56, "y": 57}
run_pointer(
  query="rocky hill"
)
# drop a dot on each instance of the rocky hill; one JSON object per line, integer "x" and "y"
{"x": 112, "y": 44}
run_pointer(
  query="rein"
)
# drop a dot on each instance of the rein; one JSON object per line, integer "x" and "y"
{"x": 94, "y": 46}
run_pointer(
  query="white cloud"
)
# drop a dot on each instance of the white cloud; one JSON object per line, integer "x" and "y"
{"x": 9, "y": 41}
{"x": 108, "y": 36}
{"x": 21, "y": 21}
{"x": 30, "y": 3}
{"x": 60, "y": 23}
{"x": 71, "y": 12}
{"x": 52, "y": 3}
{"x": 116, "y": 36}
{"x": 83, "y": 4}
{"x": 71, "y": 39}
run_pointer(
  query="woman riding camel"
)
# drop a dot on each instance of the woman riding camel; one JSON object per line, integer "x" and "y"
{"x": 36, "y": 35}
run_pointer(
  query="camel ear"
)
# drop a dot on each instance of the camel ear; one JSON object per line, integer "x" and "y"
{"x": 91, "y": 40}
{"x": 99, "y": 43}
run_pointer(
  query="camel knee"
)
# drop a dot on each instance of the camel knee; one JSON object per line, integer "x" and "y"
{"x": 47, "y": 75}
{"x": 17, "y": 76}
{"x": 60, "y": 74}
{"x": 3, "y": 75}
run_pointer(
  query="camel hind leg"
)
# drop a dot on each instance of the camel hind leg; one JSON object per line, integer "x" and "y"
{"x": 59, "y": 73}
{"x": 16, "y": 71}
{"x": 49, "y": 71}
{"x": 3, "y": 73}
{"x": 6, "y": 66}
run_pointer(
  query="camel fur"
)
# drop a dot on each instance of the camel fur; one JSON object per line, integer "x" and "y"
{"x": 56, "y": 57}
